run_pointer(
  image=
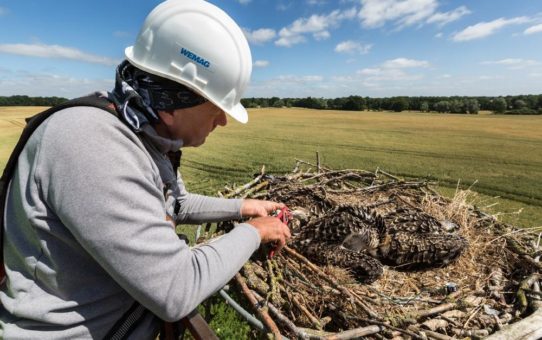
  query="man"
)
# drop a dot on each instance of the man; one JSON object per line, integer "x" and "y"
{"x": 92, "y": 206}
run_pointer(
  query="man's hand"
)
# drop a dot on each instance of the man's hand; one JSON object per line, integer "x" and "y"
{"x": 259, "y": 208}
{"x": 271, "y": 229}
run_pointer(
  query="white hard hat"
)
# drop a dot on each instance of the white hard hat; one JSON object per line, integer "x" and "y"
{"x": 195, "y": 43}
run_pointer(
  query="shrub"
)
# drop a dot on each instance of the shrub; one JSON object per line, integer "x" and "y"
{"x": 523, "y": 111}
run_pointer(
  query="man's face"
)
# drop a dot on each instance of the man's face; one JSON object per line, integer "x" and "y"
{"x": 194, "y": 124}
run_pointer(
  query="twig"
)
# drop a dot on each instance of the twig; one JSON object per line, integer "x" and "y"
{"x": 389, "y": 175}
{"x": 355, "y": 333}
{"x": 361, "y": 174}
{"x": 383, "y": 324}
{"x": 313, "y": 165}
{"x": 307, "y": 313}
{"x": 471, "y": 316}
{"x": 525, "y": 284}
{"x": 255, "y": 189}
{"x": 273, "y": 292}
{"x": 244, "y": 187}
{"x": 437, "y": 335}
{"x": 283, "y": 318}
{"x": 435, "y": 310}
{"x": 264, "y": 315}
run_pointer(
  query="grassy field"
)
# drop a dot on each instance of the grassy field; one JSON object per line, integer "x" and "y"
{"x": 502, "y": 154}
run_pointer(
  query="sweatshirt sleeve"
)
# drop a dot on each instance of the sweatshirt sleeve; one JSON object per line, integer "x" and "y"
{"x": 195, "y": 209}
{"x": 96, "y": 176}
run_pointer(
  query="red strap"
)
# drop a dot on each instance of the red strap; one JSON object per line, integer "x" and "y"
{"x": 284, "y": 215}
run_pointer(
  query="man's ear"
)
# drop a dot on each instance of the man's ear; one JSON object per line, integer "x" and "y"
{"x": 166, "y": 117}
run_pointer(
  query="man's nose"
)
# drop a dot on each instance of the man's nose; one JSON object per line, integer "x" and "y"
{"x": 222, "y": 120}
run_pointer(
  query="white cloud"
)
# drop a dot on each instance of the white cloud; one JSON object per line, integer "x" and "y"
{"x": 261, "y": 63}
{"x": 121, "y": 34}
{"x": 492, "y": 77}
{"x": 375, "y": 13}
{"x": 322, "y": 35}
{"x": 259, "y": 36}
{"x": 380, "y": 74}
{"x": 513, "y": 63}
{"x": 290, "y": 86}
{"x": 316, "y": 2}
{"x": 36, "y": 84}
{"x": 533, "y": 29}
{"x": 55, "y": 51}
{"x": 447, "y": 17}
{"x": 299, "y": 79}
{"x": 405, "y": 63}
{"x": 350, "y": 46}
{"x": 403, "y": 13}
{"x": 284, "y": 6}
{"x": 393, "y": 70}
{"x": 244, "y": 2}
{"x": 439, "y": 35}
{"x": 317, "y": 25}
{"x": 484, "y": 29}
{"x": 288, "y": 40}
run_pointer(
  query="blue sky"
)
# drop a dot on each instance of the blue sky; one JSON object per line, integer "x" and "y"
{"x": 318, "y": 48}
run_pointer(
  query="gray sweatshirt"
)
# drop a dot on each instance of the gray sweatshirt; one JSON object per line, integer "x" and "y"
{"x": 86, "y": 232}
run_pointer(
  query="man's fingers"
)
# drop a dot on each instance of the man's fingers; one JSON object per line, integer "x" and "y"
{"x": 280, "y": 244}
{"x": 288, "y": 233}
{"x": 271, "y": 229}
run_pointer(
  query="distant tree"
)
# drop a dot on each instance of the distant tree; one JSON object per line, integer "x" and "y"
{"x": 374, "y": 104}
{"x": 531, "y": 101}
{"x": 424, "y": 107}
{"x": 248, "y": 103}
{"x": 472, "y": 106}
{"x": 519, "y": 104}
{"x": 336, "y": 103}
{"x": 485, "y": 103}
{"x": 263, "y": 102}
{"x": 31, "y": 101}
{"x": 442, "y": 106}
{"x": 456, "y": 106}
{"x": 272, "y": 101}
{"x": 354, "y": 103}
{"x": 399, "y": 104}
{"x": 278, "y": 103}
{"x": 499, "y": 105}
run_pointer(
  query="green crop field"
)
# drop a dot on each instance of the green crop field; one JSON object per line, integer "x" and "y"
{"x": 501, "y": 155}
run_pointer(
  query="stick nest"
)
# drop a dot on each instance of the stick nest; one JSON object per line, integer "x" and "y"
{"x": 494, "y": 282}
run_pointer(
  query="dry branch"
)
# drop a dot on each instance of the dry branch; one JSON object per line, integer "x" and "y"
{"x": 266, "y": 319}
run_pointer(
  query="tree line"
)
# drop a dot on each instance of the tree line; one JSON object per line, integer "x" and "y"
{"x": 521, "y": 104}
{"x": 30, "y": 101}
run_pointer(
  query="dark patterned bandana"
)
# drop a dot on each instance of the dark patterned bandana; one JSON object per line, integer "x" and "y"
{"x": 139, "y": 95}
{"x": 164, "y": 94}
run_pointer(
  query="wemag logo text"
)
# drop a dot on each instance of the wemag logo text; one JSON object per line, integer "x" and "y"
{"x": 195, "y": 57}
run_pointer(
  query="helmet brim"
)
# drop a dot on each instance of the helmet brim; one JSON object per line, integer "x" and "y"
{"x": 237, "y": 112}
